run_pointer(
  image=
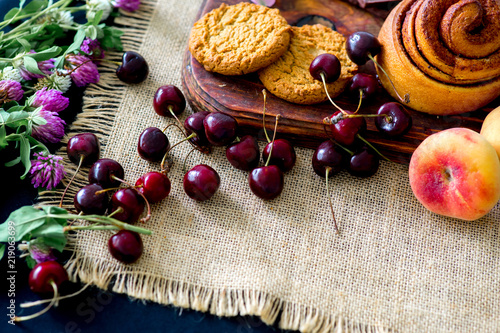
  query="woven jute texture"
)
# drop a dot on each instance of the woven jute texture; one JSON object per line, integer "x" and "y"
{"x": 394, "y": 267}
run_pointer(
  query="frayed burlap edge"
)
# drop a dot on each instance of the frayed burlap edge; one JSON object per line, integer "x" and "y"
{"x": 100, "y": 103}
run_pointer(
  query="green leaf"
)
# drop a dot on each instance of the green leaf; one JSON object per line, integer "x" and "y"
{"x": 39, "y": 120}
{"x": 30, "y": 262}
{"x": 26, "y": 45}
{"x": 16, "y": 119}
{"x": 53, "y": 210}
{"x": 77, "y": 42}
{"x": 97, "y": 18}
{"x": 46, "y": 43}
{"x": 37, "y": 146}
{"x": 2, "y": 250}
{"x": 13, "y": 106}
{"x": 10, "y": 14}
{"x": 34, "y": 6}
{"x": 46, "y": 54}
{"x": 31, "y": 65}
{"x": 25, "y": 153}
{"x": 111, "y": 38}
{"x": 13, "y": 162}
{"x": 21, "y": 222}
{"x": 91, "y": 32}
{"x": 51, "y": 234}
{"x": 3, "y": 135}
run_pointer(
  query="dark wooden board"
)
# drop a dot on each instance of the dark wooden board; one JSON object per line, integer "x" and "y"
{"x": 241, "y": 96}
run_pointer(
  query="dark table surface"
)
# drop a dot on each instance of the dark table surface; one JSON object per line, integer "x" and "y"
{"x": 94, "y": 310}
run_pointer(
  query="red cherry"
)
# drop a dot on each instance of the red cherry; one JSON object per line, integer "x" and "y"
{"x": 266, "y": 182}
{"x": 169, "y": 101}
{"x": 283, "y": 154}
{"x": 244, "y": 155}
{"x": 345, "y": 131}
{"x": 131, "y": 203}
{"x": 104, "y": 171}
{"x": 126, "y": 246}
{"x": 43, "y": 273}
{"x": 326, "y": 64}
{"x": 83, "y": 146}
{"x": 220, "y": 128}
{"x": 155, "y": 186}
{"x": 201, "y": 182}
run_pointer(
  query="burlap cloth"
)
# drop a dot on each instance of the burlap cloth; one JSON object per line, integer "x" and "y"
{"x": 395, "y": 265}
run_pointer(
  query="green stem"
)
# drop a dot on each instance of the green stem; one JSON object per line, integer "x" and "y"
{"x": 407, "y": 96}
{"x": 97, "y": 219}
{"x": 350, "y": 152}
{"x": 327, "y": 173}
{"x": 91, "y": 227}
{"x": 264, "y": 115}
{"x": 272, "y": 142}
{"x": 327, "y": 94}
{"x": 62, "y": 4}
{"x": 372, "y": 147}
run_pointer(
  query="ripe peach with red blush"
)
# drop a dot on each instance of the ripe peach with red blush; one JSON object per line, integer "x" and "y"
{"x": 456, "y": 173}
{"x": 491, "y": 129}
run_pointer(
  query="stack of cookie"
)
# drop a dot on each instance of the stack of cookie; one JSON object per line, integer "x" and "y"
{"x": 246, "y": 38}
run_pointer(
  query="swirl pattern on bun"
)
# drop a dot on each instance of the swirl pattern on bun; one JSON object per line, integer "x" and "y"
{"x": 444, "y": 53}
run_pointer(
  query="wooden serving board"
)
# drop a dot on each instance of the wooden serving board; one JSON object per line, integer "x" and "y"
{"x": 241, "y": 96}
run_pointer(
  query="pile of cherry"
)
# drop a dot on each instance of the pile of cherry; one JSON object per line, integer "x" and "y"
{"x": 346, "y": 148}
{"x": 204, "y": 130}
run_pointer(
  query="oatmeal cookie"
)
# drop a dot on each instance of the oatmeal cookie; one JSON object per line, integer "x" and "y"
{"x": 288, "y": 78}
{"x": 239, "y": 39}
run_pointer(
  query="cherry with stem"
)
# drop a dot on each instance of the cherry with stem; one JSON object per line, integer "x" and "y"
{"x": 266, "y": 182}
{"x": 327, "y": 161}
{"x": 280, "y": 152}
{"x": 82, "y": 149}
{"x": 362, "y": 46}
{"x": 133, "y": 210}
{"x": 169, "y": 101}
{"x": 45, "y": 277}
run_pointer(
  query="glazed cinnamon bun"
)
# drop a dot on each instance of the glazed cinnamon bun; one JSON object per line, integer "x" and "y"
{"x": 445, "y": 54}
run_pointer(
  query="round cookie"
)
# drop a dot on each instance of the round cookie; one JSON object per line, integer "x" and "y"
{"x": 239, "y": 39}
{"x": 288, "y": 78}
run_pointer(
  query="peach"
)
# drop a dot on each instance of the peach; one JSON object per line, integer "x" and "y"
{"x": 456, "y": 173}
{"x": 491, "y": 129}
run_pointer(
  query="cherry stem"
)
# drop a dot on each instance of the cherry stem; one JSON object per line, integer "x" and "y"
{"x": 407, "y": 96}
{"x": 173, "y": 124}
{"x": 82, "y": 157}
{"x": 192, "y": 135}
{"x": 327, "y": 172}
{"x": 41, "y": 312}
{"x": 372, "y": 147}
{"x": 360, "y": 100}
{"x": 272, "y": 144}
{"x": 111, "y": 61}
{"x": 185, "y": 159}
{"x": 171, "y": 110}
{"x": 148, "y": 207}
{"x": 106, "y": 190}
{"x": 387, "y": 117}
{"x": 350, "y": 152}
{"x": 92, "y": 227}
{"x": 327, "y": 94}
{"x": 264, "y": 115}
{"x": 43, "y": 301}
{"x": 338, "y": 144}
{"x": 99, "y": 219}
{"x": 118, "y": 210}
